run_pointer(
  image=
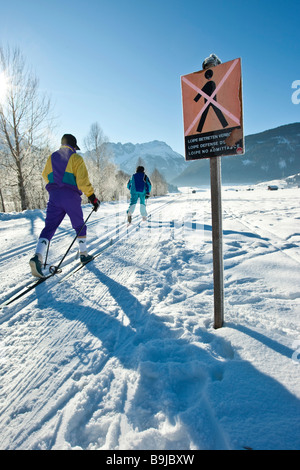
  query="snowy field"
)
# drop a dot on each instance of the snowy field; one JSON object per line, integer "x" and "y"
{"x": 123, "y": 353}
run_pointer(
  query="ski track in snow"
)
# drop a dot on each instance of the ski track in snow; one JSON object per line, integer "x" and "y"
{"x": 123, "y": 354}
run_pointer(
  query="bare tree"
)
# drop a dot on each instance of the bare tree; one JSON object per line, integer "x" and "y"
{"x": 24, "y": 121}
{"x": 2, "y": 201}
{"x": 96, "y": 145}
{"x": 122, "y": 179}
{"x": 99, "y": 162}
{"x": 159, "y": 184}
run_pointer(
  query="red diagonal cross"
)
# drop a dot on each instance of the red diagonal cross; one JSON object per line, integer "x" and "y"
{"x": 210, "y": 99}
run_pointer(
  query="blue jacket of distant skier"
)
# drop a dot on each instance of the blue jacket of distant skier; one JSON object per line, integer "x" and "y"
{"x": 139, "y": 183}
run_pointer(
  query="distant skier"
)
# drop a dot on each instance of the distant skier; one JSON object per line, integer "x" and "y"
{"x": 140, "y": 188}
{"x": 67, "y": 178}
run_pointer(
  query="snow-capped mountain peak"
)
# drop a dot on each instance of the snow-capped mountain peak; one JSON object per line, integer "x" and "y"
{"x": 154, "y": 154}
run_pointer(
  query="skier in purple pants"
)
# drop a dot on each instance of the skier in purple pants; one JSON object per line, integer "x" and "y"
{"x": 67, "y": 178}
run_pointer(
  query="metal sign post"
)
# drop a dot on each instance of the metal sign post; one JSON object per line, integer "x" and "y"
{"x": 217, "y": 240}
{"x": 213, "y": 128}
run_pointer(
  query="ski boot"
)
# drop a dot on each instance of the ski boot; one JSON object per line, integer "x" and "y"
{"x": 85, "y": 258}
{"x": 36, "y": 266}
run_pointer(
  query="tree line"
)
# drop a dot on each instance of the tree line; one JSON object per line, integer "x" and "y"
{"x": 26, "y": 124}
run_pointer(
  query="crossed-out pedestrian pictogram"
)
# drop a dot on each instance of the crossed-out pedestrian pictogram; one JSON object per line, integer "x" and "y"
{"x": 210, "y": 100}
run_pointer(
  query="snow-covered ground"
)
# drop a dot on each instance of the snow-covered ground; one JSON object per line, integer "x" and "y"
{"x": 123, "y": 353}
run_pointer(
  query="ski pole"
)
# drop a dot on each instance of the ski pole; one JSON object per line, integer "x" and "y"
{"x": 55, "y": 269}
{"x": 46, "y": 258}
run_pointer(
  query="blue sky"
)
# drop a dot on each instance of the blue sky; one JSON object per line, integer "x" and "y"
{"x": 119, "y": 62}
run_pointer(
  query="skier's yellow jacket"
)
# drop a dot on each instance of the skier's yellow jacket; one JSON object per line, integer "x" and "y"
{"x": 66, "y": 169}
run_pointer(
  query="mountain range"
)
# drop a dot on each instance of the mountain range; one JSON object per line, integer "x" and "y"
{"x": 155, "y": 154}
{"x": 272, "y": 154}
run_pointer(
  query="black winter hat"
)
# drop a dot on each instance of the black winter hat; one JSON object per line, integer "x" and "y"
{"x": 69, "y": 139}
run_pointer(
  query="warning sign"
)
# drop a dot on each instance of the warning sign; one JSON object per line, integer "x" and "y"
{"x": 212, "y": 111}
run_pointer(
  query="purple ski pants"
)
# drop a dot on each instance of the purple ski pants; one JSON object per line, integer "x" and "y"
{"x": 61, "y": 202}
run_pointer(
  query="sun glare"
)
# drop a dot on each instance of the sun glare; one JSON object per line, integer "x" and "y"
{"x": 3, "y": 86}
